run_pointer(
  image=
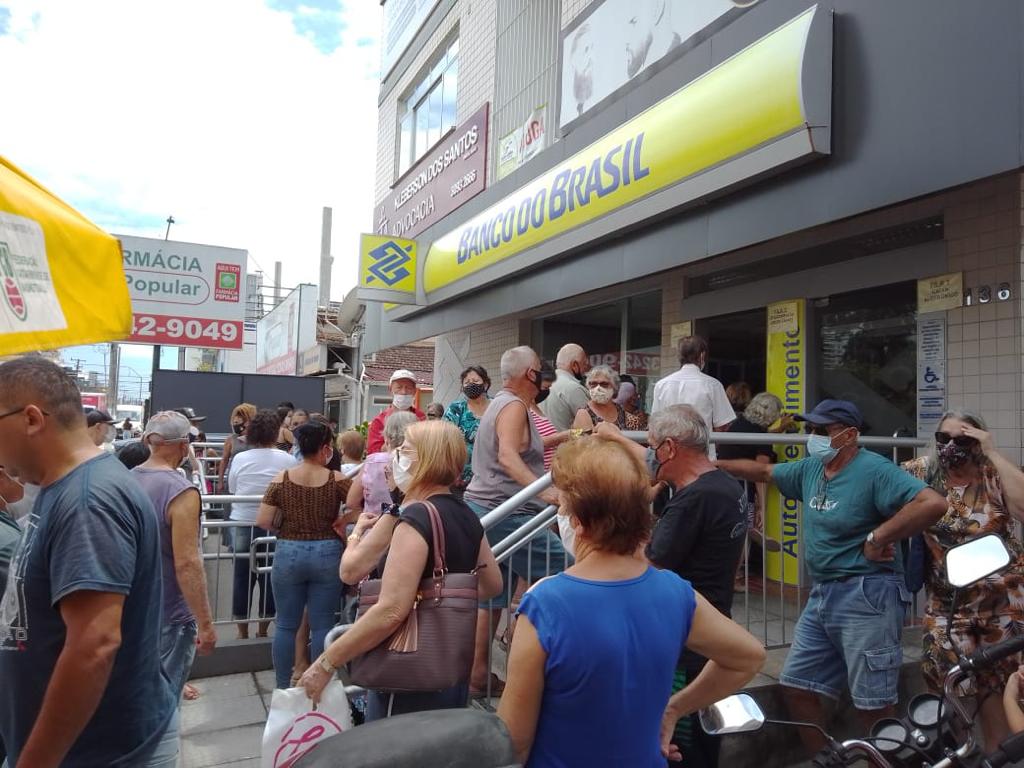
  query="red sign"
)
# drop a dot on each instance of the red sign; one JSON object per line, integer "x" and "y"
{"x": 451, "y": 174}
{"x": 187, "y": 331}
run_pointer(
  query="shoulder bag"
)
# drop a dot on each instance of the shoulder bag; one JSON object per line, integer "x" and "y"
{"x": 433, "y": 649}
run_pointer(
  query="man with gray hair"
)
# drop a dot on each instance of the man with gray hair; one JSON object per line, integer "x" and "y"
{"x": 187, "y": 618}
{"x": 508, "y": 455}
{"x": 699, "y": 536}
{"x": 567, "y": 395}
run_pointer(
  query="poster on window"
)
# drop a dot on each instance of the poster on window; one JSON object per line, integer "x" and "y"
{"x": 524, "y": 143}
{"x": 621, "y": 39}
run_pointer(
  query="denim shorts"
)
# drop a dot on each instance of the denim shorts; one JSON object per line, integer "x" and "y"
{"x": 850, "y": 634}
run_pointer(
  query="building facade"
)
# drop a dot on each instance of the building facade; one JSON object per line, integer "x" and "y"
{"x": 830, "y": 193}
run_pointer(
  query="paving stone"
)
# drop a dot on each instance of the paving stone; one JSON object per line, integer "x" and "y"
{"x": 207, "y": 715}
{"x": 225, "y": 687}
{"x": 222, "y": 748}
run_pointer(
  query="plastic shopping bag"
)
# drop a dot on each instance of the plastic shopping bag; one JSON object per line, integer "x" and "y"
{"x": 294, "y": 727}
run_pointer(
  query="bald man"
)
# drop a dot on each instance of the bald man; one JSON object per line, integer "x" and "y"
{"x": 568, "y": 394}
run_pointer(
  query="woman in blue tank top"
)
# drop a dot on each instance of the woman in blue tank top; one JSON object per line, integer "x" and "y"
{"x": 595, "y": 648}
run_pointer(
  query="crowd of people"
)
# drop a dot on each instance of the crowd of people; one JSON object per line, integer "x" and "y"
{"x": 106, "y": 598}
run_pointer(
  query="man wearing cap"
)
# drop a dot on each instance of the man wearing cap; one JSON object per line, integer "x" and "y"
{"x": 403, "y": 393}
{"x": 187, "y": 618}
{"x": 101, "y": 429}
{"x": 858, "y": 506}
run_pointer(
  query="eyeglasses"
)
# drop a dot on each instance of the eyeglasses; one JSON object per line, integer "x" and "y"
{"x": 601, "y": 384}
{"x": 817, "y": 430}
{"x": 19, "y": 410}
{"x": 962, "y": 441}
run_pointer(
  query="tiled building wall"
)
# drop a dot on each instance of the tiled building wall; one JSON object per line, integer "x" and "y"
{"x": 983, "y": 235}
{"x": 476, "y": 20}
{"x": 571, "y": 9}
{"x": 480, "y": 345}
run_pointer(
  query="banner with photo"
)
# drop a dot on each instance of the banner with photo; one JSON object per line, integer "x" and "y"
{"x": 620, "y": 39}
{"x": 524, "y": 143}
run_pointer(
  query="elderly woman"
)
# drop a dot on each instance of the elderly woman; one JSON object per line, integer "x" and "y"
{"x": 466, "y": 413}
{"x": 602, "y": 384}
{"x": 304, "y": 504}
{"x": 612, "y": 623}
{"x": 629, "y": 398}
{"x": 985, "y": 493}
{"x": 429, "y": 461}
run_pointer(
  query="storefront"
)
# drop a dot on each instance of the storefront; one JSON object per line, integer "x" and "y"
{"x": 830, "y": 193}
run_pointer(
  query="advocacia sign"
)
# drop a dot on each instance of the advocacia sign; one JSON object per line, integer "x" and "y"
{"x": 758, "y": 112}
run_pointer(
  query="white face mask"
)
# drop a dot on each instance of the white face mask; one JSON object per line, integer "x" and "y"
{"x": 601, "y": 395}
{"x": 400, "y": 467}
{"x": 110, "y": 434}
{"x": 402, "y": 402}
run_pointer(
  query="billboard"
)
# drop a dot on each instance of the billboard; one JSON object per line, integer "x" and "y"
{"x": 446, "y": 178}
{"x": 524, "y": 143}
{"x": 620, "y": 39}
{"x": 287, "y": 329}
{"x": 402, "y": 20}
{"x": 184, "y": 294}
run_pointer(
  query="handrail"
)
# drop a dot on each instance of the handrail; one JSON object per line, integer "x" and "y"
{"x": 762, "y": 438}
{"x": 503, "y": 549}
{"x": 506, "y": 508}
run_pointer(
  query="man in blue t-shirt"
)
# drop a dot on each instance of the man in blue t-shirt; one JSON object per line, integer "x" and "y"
{"x": 857, "y": 507}
{"x": 80, "y": 616}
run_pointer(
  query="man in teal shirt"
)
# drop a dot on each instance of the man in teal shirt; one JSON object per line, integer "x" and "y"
{"x": 857, "y": 507}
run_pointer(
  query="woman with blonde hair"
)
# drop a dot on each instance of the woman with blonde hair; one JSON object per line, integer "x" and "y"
{"x": 612, "y": 623}
{"x": 426, "y": 465}
{"x": 236, "y": 442}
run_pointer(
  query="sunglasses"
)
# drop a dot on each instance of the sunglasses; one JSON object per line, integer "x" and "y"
{"x": 820, "y": 431}
{"x": 944, "y": 438}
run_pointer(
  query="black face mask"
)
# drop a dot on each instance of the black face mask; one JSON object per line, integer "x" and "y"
{"x": 473, "y": 390}
{"x": 580, "y": 376}
{"x": 542, "y": 396}
{"x": 238, "y": 429}
{"x": 533, "y": 377}
{"x": 953, "y": 456}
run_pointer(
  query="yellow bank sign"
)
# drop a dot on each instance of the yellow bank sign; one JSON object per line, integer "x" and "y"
{"x": 387, "y": 269}
{"x": 763, "y": 109}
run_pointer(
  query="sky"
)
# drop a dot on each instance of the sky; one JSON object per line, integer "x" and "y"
{"x": 241, "y": 118}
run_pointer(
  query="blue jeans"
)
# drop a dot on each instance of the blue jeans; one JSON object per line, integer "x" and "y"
{"x": 166, "y": 753}
{"x": 851, "y": 634}
{"x": 543, "y": 556}
{"x": 380, "y": 705}
{"x": 177, "y": 652}
{"x": 245, "y": 580}
{"x": 305, "y": 577}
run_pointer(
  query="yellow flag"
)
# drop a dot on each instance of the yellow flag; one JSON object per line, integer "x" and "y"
{"x": 61, "y": 278}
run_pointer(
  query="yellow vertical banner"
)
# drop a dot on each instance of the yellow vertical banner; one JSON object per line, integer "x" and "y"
{"x": 787, "y": 378}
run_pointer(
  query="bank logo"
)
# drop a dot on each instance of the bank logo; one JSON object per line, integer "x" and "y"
{"x": 389, "y": 260}
{"x": 12, "y": 291}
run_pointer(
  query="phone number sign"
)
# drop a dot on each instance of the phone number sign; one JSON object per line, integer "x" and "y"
{"x": 185, "y": 294}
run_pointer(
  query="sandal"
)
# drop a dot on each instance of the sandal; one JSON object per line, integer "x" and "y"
{"x": 497, "y": 688}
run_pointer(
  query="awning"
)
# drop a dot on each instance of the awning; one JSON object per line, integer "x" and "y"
{"x": 61, "y": 279}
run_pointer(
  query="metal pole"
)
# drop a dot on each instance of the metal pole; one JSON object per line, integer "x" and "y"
{"x": 326, "y": 262}
{"x": 113, "y": 376}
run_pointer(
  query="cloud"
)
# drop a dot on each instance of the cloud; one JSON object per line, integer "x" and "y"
{"x": 5, "y": 20}
{"x": 241, "y": 119}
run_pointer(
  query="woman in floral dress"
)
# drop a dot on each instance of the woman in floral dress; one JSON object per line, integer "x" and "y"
{"x": 466, "y": 413}
{"x": 985, "y": 491}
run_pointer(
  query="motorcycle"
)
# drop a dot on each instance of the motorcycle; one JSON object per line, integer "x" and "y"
{"x": 928, "y": 736}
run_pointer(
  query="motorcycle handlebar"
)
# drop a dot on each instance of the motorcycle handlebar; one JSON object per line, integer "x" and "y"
{"x": 1010, "y": 751}
{"x": 986, "y": 657}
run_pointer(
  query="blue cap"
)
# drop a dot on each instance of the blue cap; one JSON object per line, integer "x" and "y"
{"x": 833, "y": 412}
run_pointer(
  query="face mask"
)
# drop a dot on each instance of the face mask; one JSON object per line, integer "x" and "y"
{"x": 581, "y": 377}
{"x": 600, "y": 395}
{"x": 953, "y": 456}
{"x": 400, "y": 467}
{"x": 651, "y": 459}
{"x": 534, "y": 378}
{"x": 238, "y": 428}
{"x": 542, "y": 396}
{"x": 820, "y": 447}
{"x": 402, "y": 402}
{"x": 110, "y": 434}
{"x": 473, "y": 391}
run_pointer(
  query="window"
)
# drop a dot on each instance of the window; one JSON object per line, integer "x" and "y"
{"x": 428, "y": 113}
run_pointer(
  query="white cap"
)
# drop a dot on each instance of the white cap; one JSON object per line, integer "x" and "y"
{"x": 401, "y": 373}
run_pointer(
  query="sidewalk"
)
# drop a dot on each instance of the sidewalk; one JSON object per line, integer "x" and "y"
{"x": 224, "y": 727}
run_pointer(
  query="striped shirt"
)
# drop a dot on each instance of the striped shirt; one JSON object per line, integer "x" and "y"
{"x": 546, "y": 429}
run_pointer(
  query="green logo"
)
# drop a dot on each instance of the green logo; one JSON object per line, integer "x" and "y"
{"x": 228, "y": 281}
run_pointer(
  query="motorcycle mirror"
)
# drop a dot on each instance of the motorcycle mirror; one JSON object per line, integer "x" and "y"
{"x": 974, "y": 560}
{"x": 736, "y": 714}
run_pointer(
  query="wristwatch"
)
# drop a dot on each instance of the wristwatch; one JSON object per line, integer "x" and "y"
{"x": 326, "y": 665}
{"x": 871, "y": 539}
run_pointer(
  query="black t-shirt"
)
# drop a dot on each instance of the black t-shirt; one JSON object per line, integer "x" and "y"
{"x": 700, "y": 537}
{"x": 751, "y": 452}
{"x": 462, "y": 531}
